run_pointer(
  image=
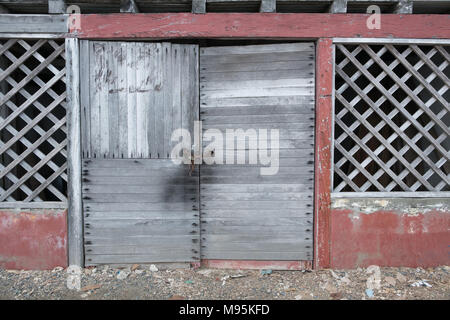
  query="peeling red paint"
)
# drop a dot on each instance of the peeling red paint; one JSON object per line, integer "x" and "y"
{"x": 35, "y": 239}
{"x": 389, "y": 238}
{"x": 257, "y": 264}
{"x": 323, "y": 131}
{"x": 260, "y": 25}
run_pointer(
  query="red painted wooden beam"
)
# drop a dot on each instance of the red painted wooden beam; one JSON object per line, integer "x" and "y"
{"x": 323, "y": 145}
{"x": 260, "y": 25}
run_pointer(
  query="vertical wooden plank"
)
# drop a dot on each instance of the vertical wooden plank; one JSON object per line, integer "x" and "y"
{"x": 323, "y": 150}
{"x": 168, "y": 104}
{"x": 198, "y": 6}
{"x": 96, "y": 52}
{"x": 268, "y": 6}
{"x": 149, "y": 101}
{"x": 158, "y": 89}
{"x": 176, "y": 88}
{"x": 141, "y": 95}
{"x": 75, "y": 214}
{"x": 85, "y": 97}
{"x": 103, "y": 100}
{"x": 131, "y": 99}
{"x": 113, "y": 99}
{"x": 194, "y": 72}
{"x": 186, "y": 90}
{"x": 122, "y": 72}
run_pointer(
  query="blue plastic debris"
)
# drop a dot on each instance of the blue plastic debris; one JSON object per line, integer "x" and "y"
{"x": 369, "y": 293}
{"x": 266, "y": 271}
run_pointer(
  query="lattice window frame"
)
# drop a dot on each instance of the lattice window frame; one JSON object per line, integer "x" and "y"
{"x": 33, "y": 72}
{"x": 342, "y": 182}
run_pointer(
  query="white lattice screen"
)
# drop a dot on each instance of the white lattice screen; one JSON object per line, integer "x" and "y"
{"x": 32, "y": 121}
{"x": 391, "y": 118}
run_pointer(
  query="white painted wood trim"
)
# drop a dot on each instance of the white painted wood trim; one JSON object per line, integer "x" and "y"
{"x": 400, "y": 194}
{"x": 390, "y": 41}
{"x": 33, "y": 205}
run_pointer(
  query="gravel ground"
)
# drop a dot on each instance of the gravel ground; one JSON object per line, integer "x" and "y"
{"x": 140, "y": 282}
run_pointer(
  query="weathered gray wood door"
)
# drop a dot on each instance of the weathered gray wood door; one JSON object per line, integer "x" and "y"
{"x": 246, "y": 215}
{"x": 139, "y": 206}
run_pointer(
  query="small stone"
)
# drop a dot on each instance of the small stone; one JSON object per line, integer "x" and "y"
{"x": 91, "y": 287}
{"x": 139, "y": 271}
{"x": 298, "y": 297}
{"x": 401, "y": 278}
{"x": 122, "y": 274}
{"x": 390, "y": 281}
{"x": 57, "y": 269}
{"x": 336, "y": 295}
{"x": 134, "y": 267}
{"x": 153, "y": 268}
{"x": 177, "y": 297}
{"x": 330, "y": 288}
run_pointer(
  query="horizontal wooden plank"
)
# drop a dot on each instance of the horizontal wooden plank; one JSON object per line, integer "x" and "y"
{"x": 231, "y": 170}
{"x": 139, "y": 224}
{"x": 160, "y": 240}
{"x": 224, "y": 188}
{"x": 286, "y": 179}
{"x": 165, "y": 256}
{"x": 257, "y": 75}
{"x": 210, "y": 61}
{"x": 263, "y": 213}
{"x": 135, "y": 181}
{"x": 257, "y": 110}
{"x": 140, "y": 197}
{"x": 306, "y": 90}
{"x": 131, "y": 206}
{"x": 143, "y": 214}
{"x": 143, "y": 189}
{"x": 211, "y": 86}
{"x": 141, "y": 230}
{"x": 277, "y": 222}
{"x": 141, "y": 250}
{"x": 261, "y": 238}
{"x": 247, "y": 204}
{"x": 279, "y": 47}
{"x": 256, "y": 255}
{"x": 134, "y": 163}
{"x": 306, "y": 65}
{"x": 149, "y": 173}
{"x": 256, "y": 101}
{"x": 264, "y": 196}
{"x": 254, "y": 246}
{"x": 269, "y": 125}
{"x": 258, "y": 119}
{"x": 27, "y": 23}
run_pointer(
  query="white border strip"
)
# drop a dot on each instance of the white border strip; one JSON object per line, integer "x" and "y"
{"x": 33, "y": 205}
{"x": 400, "y": 194}
{"x": 390, "y": 40}
{"x": 33, "y": 35}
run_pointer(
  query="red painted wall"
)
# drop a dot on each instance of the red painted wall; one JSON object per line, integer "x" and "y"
{"x": 389, "y": 238}
{"x": 34, "y": 239}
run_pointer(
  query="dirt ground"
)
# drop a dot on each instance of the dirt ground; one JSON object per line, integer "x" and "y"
{"x": 144, "y": 282}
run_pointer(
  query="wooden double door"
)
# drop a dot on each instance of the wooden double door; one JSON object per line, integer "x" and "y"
{"x": 142, "y": 206}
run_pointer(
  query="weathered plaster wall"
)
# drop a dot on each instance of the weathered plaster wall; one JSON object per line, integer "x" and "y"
{"x": 390, "y": 232}
{"x": 33, "y": 239}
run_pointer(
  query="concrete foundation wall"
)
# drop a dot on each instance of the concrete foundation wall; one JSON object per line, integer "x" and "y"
{"x": 390, "y": 232}
{"x": 33, "y": 239}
